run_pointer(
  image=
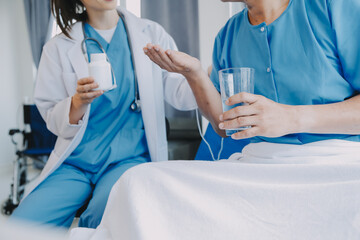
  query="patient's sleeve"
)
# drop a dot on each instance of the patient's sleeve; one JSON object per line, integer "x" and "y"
{"x": 219, "y": 52}
{"x": 345, "y": 18}
{"x": 214, "y": 76}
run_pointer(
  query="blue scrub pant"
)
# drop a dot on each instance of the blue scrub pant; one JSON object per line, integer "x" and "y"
{"x": 57, "y": 199}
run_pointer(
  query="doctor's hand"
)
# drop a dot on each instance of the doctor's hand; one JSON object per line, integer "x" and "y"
{"x": 173, "y": 61}
{"x": 84, "y": 95}
{"x": 266, "y": 117}
{"x": 85, "y": 92}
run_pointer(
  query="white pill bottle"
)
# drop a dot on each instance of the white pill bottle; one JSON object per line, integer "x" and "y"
{"x": 100, "y": 70}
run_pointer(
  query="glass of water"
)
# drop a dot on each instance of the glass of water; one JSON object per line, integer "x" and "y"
{"x": 232, "y": 82}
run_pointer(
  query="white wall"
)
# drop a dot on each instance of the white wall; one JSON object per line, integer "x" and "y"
{"x": 213, "y": 15}
{"x": 16, "y": 70}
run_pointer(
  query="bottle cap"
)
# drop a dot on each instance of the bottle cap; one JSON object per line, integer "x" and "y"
{"x": 96, "y": 57}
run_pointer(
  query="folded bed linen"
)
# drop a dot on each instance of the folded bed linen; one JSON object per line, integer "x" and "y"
{"x": 269, "y": 191}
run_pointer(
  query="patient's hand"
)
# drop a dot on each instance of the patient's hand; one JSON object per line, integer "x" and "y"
{"x": 173, "y": 61}
{"x": 267, "y": 118}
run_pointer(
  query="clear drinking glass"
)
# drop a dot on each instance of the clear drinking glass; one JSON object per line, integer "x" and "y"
{"x": 234, "y": 81}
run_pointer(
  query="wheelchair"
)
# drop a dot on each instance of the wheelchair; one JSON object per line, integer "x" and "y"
{"x": 37, "y": 144}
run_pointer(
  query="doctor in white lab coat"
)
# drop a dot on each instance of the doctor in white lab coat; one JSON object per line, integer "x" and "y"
{"x": 62, "y": 65}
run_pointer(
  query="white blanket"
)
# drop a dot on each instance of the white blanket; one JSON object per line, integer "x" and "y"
{"x": 270, "y": 191}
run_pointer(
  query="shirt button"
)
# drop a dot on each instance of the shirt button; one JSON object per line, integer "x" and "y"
{"x": 268, "y": 70}
{"x": 262, "y": 29}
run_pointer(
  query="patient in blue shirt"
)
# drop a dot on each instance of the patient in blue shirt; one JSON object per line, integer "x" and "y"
{"x": 306, "y": 56}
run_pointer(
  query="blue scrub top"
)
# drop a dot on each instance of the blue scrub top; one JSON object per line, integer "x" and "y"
{"x": 310, "y": 55}
{"x": 114, "y": 132}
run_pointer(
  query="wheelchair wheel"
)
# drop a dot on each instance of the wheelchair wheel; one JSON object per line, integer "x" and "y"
{"x": 8, "y": 207}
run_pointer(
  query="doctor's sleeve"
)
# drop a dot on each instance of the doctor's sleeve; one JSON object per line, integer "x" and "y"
{"x": 177, "y": 91}
{"x": 50, "y": 95}
{"x": 345, "y": 19}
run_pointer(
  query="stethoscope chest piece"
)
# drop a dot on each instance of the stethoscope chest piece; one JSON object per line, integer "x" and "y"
{"x": 136, "y": 106}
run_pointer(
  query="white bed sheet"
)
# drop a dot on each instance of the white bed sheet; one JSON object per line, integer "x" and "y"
{"x": 270, "y": 191}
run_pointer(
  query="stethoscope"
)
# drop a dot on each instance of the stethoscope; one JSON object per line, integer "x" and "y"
{"x": 136, "y": 105}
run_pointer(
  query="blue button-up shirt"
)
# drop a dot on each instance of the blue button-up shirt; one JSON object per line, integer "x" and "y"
{"x": 310, "y": 55}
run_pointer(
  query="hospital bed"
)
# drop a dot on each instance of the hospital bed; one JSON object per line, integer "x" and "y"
{"x": 37, "y": 144}
{"x": 273, "y": 191}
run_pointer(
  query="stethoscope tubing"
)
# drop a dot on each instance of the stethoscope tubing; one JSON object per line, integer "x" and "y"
{"x": 135, "y": 106}
{"x": 83, "y": 49}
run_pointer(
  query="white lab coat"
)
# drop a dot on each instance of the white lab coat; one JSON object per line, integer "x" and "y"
{"x": 62, "y": 64}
